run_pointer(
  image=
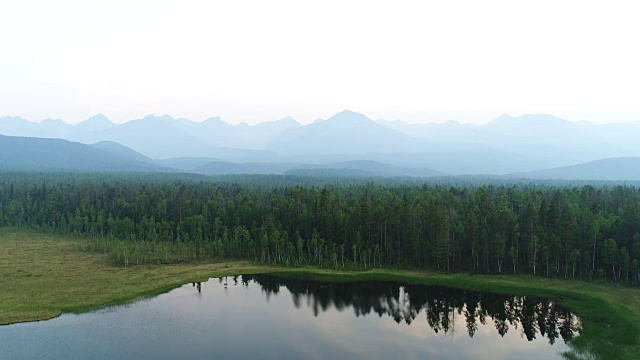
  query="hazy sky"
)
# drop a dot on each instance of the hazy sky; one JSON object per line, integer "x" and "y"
{"x": 263, "y": 60}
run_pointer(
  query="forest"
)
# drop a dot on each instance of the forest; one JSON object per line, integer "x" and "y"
{"x": 569, "y": 230}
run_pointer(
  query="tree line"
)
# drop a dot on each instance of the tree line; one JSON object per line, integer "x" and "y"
{"x": 586, "y": 231}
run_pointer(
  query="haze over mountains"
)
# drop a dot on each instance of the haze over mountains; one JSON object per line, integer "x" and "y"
{"x": 345, "y": 143}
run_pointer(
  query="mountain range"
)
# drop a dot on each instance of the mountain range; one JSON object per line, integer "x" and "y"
{"x": 528, "y": 145}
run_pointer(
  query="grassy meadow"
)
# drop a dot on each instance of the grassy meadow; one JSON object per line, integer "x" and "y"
{"x": 42, "y": 276}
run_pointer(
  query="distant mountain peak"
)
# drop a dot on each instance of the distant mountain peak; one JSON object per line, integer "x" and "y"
{"x": 154, "y": 117}
{"x": 451, "y": 123}
{"x": 12, "y": 118}
{"x": 541, "y": 117}
{"x": 95, "y": 123}
{"x": 349, "y": 116}
{"x": 288, "y": 121}
{"x": 502, "y": 119}
{"x": 348, "y": 112}
{"x": 215, "y": 120}
{"x": 98, "y": 119}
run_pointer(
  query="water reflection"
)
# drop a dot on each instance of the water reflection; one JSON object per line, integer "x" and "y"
{"x": 442, "y": 306}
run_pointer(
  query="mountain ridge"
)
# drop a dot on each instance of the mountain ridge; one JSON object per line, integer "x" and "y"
{"x": 505, "y": 145}
{"x": 40, "y": 154}
{"x": 617, "y": 168}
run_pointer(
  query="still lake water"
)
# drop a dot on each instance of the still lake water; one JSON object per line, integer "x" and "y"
{"x": 263, "y": 316}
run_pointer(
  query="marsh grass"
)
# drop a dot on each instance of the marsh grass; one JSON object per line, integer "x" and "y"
{"x": 42, "y": 276}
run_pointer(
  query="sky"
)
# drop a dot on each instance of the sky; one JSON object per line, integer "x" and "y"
{"x": 254, "y": 61}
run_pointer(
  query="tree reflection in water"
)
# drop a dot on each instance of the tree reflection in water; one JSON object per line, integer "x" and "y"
{"x": 443, "y": 306}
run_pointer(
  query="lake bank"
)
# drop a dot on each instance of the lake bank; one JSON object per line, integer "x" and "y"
{"x": 43, "y": 276}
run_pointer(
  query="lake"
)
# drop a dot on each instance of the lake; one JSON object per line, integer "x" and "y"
{"x": 266, "y": 316}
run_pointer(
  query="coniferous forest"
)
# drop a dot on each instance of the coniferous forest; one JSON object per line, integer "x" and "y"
{"x": 545, "y": 229}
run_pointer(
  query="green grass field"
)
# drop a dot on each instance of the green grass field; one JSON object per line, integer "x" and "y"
{"x": 42, "y": 276}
